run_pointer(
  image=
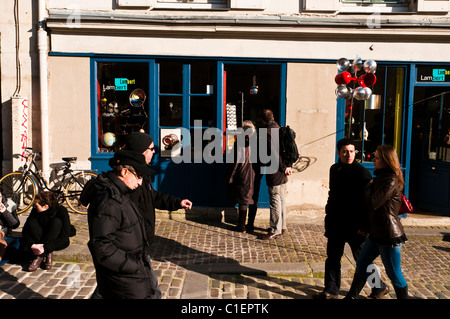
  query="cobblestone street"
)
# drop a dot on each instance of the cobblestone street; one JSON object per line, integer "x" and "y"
{"x": 211, "y": 261}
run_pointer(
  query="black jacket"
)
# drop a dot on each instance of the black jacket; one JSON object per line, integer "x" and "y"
{"x": 118, "y": 238}
{"x": 346, "y": 211}
{"x": 148, "y": 200}
{"x": 383, "y": 198}
{"x": 39, "y": 221}
{"x": 279, "y": 177}
{"x": 240, "y": 175}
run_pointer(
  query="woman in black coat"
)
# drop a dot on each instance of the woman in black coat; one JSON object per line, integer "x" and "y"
{"x": 46, "y": 230}
{"x": 241, "y": 176}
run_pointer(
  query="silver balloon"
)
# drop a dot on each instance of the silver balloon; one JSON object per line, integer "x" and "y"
{"x": 370, "y": 66}
{"x": 368, "y": 93}
{"x": 343, "y": 64}
{"x": 358, "y": 64}
{"x": 342, "y": 91}
{"x": 362, "y": 93}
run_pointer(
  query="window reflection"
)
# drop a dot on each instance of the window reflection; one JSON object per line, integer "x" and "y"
{"x": 378, "y": 120}
{"x": 117, "y": 116}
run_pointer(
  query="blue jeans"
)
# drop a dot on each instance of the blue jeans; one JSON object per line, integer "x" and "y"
{"x": 335, "y": 251}
{"x": 391, "y": 257}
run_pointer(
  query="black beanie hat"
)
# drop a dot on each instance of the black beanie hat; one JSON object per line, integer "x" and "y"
{"x": 138, "y": 142}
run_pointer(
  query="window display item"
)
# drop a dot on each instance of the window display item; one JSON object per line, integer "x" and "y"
{"x": 170, "y": 142}
{"x": 231, "y": 117}
{"x": 254, "y": 89}
{"x": 137, "y": 97}
{"x": 108, "y": 139}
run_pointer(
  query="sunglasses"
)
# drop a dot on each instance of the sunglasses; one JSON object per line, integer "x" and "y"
{"x": 138, "y": 175}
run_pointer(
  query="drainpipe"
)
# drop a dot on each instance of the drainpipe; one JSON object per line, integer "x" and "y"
{"x": 43, "y": 51}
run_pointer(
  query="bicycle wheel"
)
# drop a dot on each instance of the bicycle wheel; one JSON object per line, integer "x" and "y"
{"x": 21, "y": 189}
{"x": 73, "y": 191}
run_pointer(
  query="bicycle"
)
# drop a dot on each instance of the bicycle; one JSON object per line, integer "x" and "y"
{"x": 22, "y": 186}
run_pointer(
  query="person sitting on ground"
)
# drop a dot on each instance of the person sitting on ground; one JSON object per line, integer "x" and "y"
{"x": 47, "y": 229}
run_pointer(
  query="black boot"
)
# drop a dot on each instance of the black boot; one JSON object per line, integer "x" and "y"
{"x": 401, "y": 292}
{"x": 241, "y": 223}
{"x": 251, "y": 218}
{"x": 356, "y": 287}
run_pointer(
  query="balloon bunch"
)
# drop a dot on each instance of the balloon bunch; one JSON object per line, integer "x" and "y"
{"x": 362, "y": 91}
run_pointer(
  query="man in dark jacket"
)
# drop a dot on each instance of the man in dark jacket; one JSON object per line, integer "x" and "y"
{"x": 145, "y": 196}
{"x": 346, "y": 219}
{"x": 276, "y": 181}
{"x": 118, "y": 238}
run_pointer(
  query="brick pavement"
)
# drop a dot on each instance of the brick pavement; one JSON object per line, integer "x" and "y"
{"x": 196, "y": 258}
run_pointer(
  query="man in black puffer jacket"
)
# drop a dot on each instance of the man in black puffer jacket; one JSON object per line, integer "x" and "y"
{"x": 118, "y": 240}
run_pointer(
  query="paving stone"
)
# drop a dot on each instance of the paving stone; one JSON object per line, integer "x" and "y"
{"x": 209, "y": 260}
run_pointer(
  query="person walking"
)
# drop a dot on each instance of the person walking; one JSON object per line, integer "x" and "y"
{"x": 346, "y": 218}
{"x": 47, "y": 229}
{"x": 145, "y": 196}
{"x": 386, "y": 233}
{"x": 117, "y": 236}
{"x": 276, "y": 182}
{"x": 241, "y": 177}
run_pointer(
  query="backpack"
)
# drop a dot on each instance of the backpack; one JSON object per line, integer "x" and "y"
{"x": 288, "y": 149}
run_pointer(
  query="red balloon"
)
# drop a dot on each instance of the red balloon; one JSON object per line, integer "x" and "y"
{"x": 367, "y": 79}
{"x": 343, "y": 78}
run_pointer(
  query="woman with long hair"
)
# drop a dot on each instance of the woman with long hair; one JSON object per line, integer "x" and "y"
{"x": 386, "y": 233}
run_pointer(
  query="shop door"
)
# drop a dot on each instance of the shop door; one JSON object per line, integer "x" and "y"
{"x": 430, "y": 150}
{"x": 248, "y": 90}
{"x": 193, "y": 90}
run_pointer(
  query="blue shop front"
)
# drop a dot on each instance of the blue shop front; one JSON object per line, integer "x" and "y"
{"x": 178, "y": 101}
{"x": 169, "y": 96}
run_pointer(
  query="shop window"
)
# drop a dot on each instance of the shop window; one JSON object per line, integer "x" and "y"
{"x": 191, "y": 4}
{"x": 122, "y": 98}
{"x": 321, "y": 5}
{"x": 374, "y": 6}
{"x": 375, "y": 1}
{"x": 378, "y": 120}
{"x": 171, "y": 77}
{"x": 203, "y": 109}
{"x": 186, "y": 93}
{"x": 432, "y": 121}
{"x": 171, "y": 111}
{"x": 202, "y": 77}
{"x": 433, "y": 5}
